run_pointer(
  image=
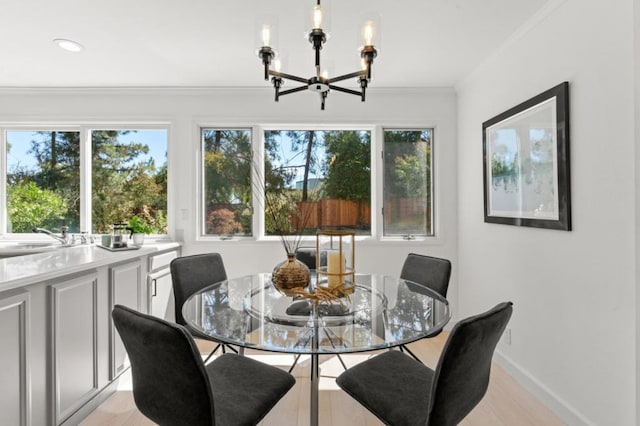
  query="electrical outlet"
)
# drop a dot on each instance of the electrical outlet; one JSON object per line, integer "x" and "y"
{"x": 506, "y": 336}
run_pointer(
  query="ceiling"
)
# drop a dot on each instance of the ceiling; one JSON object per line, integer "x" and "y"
{"x": 213, "y": 43}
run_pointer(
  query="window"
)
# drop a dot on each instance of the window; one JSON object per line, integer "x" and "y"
{"x": 43, "y": 180}
{"x": 407, "y": 182}
{"x": 320, "y": 177}
{"x": 44, "y": 183}
{"x": 305, "y": 179}
{"x": 227, "y": 165}
{"x": 129, "y": 177}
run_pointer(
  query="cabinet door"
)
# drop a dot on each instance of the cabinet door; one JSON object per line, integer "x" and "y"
{"x": 125, "y": 285}
{"x": 15, "y": 348}
{"x": 74, "y": 340}
{"x": 160, "y": 295}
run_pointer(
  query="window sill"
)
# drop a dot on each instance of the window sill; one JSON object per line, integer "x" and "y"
{"x": 309, "y": 241}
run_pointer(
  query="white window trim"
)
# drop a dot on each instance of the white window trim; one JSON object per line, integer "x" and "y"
{"x": 435, "y": 191}
{"x": 377, "y": 181}
{"x": 84, "y": 128}
{"x": 199, "y": 179}
{"x": 4, "y": 169}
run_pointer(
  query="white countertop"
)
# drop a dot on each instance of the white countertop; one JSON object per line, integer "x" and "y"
{"x": 20, "y": 271}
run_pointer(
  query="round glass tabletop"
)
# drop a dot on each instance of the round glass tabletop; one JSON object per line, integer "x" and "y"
{"x": 382, "y": 311}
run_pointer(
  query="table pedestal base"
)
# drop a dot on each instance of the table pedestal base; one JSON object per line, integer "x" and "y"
{"x": 314, "y": 391}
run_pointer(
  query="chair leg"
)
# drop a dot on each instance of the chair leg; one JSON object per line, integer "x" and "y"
{"x": 304, "y": 344}
{"x": 338, "y": 355}
{"x": 212, "y": 352}
{"x": 295, "y": 361}
{"x": 404, "y": 348}
{"x": 231, "y": 348}
{"x": 223, "y": 346}
{"x": 342, "y": 362}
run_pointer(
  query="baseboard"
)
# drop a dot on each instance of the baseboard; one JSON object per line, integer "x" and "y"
{"x": 560, "y": 408}
{"x": 92, "y": 404}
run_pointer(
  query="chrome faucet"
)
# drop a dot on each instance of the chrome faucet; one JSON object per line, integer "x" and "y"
{"x": 63, "y": 237}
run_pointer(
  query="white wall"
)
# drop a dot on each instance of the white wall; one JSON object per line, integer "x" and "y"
{"x": 186, "y": 109}
{"x": 636, "y": 55}
{"x": 574, "y": 322}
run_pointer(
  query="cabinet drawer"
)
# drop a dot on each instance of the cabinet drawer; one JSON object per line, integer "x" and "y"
{"x": 161, "y": 261}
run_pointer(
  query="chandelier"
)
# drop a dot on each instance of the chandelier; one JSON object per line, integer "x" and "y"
{"x": 320, "y": 82}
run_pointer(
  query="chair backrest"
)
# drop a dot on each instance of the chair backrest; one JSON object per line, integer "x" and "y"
{"x": 432, "y": 272}
{"x": 307, "y": 255}
{"x": 462, "y": 375}
{"x": 170, "y": 383}
{"x": 191, "y": 274}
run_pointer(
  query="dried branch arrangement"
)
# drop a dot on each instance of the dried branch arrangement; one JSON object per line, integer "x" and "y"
{"x": 282, "y": 210}
{"x": 326, "y": 294}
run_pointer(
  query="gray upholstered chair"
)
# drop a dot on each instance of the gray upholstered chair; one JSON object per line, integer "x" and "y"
{"x": 172, "y": 386}
{"x": 191, "y": 274}
{"x": 431, "y": 272}
{"x": 402, "y": 391}
{"x": 307, "y": 255}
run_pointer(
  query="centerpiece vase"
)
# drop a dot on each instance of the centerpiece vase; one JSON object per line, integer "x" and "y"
{"x": 289, "y": 275}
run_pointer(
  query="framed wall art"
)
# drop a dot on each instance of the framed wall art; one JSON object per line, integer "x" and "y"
{"x": 526, "y": 163}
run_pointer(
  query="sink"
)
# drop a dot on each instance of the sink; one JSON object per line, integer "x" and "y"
{"x": 31, "y": 246}
{"x": 21, "y": 249}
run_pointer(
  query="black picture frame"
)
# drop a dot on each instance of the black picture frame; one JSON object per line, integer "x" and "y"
{"x": 526, "y": 163}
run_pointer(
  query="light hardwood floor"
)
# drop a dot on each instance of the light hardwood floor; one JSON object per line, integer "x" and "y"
{"x": 506, "y": 403}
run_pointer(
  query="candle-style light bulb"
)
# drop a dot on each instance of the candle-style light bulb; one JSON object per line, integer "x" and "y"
{"x": 277, "y": 65}
{"x": 317, "y": 17}
{"x": 368, "y": 34}
{"x": 325, "y": 74}
{"x": 266, "y": 35}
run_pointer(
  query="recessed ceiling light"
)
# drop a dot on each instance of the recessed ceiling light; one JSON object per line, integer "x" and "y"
{"x": 70, "y": 45}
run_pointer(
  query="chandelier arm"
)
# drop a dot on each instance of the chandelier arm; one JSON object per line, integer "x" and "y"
{"x": 363, "y": 86}
{"x": 294, "y": 90}
{"x": 348, "y": 76}
{"x": 289, "y": 76}
{"x": 266, "y": 54}
{"x": 342, "y": 89}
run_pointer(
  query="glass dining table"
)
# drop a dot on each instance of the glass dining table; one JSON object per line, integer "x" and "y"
{"x": 380, "y": 312}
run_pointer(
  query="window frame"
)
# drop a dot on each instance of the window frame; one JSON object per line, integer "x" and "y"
{"x": 201, "y": 235}
{"x": 324, "y": 127}
{"x": 377, "y": 181}
{"x": 84, "y": 130}
{"x": 434, "y": 206}
{"x": 257, "y": 141}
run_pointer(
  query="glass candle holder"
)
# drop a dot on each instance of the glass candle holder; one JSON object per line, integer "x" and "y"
{"x": 335, "y": 265}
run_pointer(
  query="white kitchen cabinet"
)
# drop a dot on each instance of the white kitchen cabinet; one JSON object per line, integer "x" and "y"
{"x": 15, "y": 351}
{"x": 160, "y": 300}
{"x": 160, "y": 295}
{"x": 74, "y": 344}
{"x": 59, "y": 352}
{"x": 125, "y": 288}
